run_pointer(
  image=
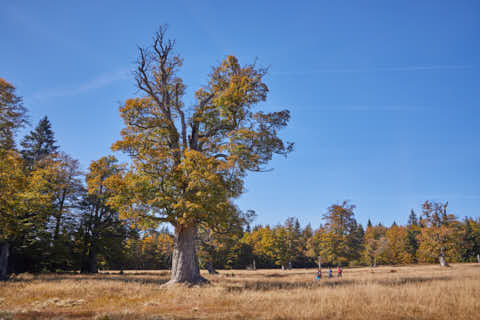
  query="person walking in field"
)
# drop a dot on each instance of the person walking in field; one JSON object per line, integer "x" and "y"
{"x": 330, "y": 273}
{"x": 339, "y": 272}
{"x": 319, "y": 274}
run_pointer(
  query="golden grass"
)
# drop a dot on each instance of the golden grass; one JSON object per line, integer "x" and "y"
{"x": 410, "y": 292}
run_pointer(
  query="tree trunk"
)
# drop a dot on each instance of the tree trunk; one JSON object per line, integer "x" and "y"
{"x": 59, "y": 216}
{"x": 210, "y": 268}
{"x": 441, "y": 258}
{"x": 92, "y": 266}
{"x": 185, "y": 267}
{"x": 57, "y": 227}
{"x": 4, "y": 253}
{"x": 84, "y": 266}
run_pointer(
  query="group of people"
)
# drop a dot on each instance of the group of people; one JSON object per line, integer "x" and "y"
{"x": 330, "y": 273}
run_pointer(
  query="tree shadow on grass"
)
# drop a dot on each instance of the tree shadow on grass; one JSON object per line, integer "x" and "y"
{"x": 284, "y": 285}
{"x": 282, "y": 275}
{"x": 409, "y": 280}
{"x": 239, "y": 285}
{"x": 96, "y": 277}
{"x": 30, "y": 315}
{"x": 326, "y": 283}
{"x": 136, "y": 273}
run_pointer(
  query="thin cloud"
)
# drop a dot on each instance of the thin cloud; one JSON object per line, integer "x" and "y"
{"x": 377, "y": 69}
{"x": 446, "y": 197}
{"x": 98, "y": 82}
{"x": 361, "y": 108}
{"x": 353, "y": 108}
{"x": 23, "y": 18}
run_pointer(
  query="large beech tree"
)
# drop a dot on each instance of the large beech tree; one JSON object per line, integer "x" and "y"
{"x": 439, "y": 233}
{"x": 188, "y": 163}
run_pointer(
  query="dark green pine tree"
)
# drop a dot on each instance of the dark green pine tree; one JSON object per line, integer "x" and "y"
{"x": 469, "y": 247}
{"x": 39, "y": 143}
{"x": 413, "y": 231}
{"x": 412, "y": 219}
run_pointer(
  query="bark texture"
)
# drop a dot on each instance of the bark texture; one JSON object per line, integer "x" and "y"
{"x": 185, "y": 268}
{"x": 4, "y": 254}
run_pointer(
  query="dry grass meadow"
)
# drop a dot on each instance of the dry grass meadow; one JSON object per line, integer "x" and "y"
{"x": 408, "y": 292}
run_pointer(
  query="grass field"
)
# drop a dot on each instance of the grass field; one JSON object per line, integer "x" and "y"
{"x": 409, "y": 292}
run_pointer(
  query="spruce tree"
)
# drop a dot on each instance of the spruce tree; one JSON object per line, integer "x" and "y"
{"x": 412, "y": 219}
{"x": 39, "y": 143}
{"x": 12, "y": 115}
{"x": 468, "y": 245}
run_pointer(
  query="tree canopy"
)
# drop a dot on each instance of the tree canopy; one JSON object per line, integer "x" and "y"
{"x": 12, "y": 114}
{"x": 39, "y": 143}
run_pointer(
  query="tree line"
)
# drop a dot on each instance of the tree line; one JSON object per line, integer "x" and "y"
{"x": 56, "y": 218}
{"x": 187, "y": 165}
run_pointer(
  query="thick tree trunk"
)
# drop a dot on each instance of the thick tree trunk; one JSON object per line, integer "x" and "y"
{"x": 84, "y": 266}
{"x": 185, "y": 267}
{"x": 441, "y": 258}
{"x": 4, "y": 253}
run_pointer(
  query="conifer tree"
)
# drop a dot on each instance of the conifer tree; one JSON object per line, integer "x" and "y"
{"x": 412, "y": 219}
{"x": 39, "y": 143}
{"x": 470, "y": 244}
{"x": 12, "y": 114}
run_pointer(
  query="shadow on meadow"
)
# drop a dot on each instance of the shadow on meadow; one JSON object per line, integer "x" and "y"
{"x": 240, "y": 286}
{"x": 235, "y": 285}
{"x": 94, "y": 277}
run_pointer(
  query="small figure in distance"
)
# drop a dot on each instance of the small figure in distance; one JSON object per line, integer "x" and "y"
{"x": 330, "y": 272}
{"x": 319, "y": 274}
{"x": 339, "y": 272}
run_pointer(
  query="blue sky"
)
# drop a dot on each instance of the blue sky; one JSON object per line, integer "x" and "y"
{"x": 384, "y": 95}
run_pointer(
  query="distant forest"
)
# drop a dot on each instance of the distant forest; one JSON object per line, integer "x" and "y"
{"x": 55, "y": 218}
